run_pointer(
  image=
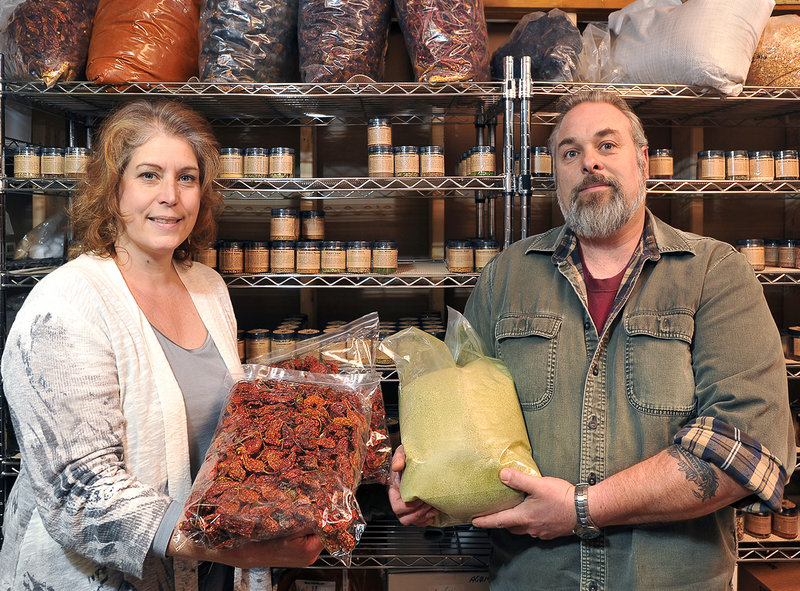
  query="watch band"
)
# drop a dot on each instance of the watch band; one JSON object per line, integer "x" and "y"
{"x": 585, "y": 528}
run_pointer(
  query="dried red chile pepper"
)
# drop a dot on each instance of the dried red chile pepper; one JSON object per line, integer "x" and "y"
{"x": 47, "y": 40}
{"x": 446, "y": 39}
{"x": 286, "y": 458}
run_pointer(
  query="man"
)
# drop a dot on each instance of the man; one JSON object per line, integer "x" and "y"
{"x": 650, "y": 374}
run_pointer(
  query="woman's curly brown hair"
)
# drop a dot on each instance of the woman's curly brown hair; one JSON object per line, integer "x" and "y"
{"x": 95, "y": 214}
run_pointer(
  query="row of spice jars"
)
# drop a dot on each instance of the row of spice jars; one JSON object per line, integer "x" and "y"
{"x": 477, "y": 161}
{"x": 469, "y": 255}
{"x": 406, "y": 161}
{"x": 760, "y": 524}
{"x": 770, "y": 252}
{"x": 291, "y": 224}
{"x": 39, "y": 162}
{"x": 277, "y": 162}
{"x": 732, "y": 165}
{"x": 302, "y": 256}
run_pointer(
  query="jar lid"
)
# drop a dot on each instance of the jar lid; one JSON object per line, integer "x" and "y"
{"x": 312, "y": 213}
{"x": 53, "y": 151}
{"x": 760, "y": 154}
{"x": 484, "y": 149}
{"x": 384, "y": 245}
{"x": 308, "y": 333}
{"x": 380, "y": 150}
{"x": 280, "y": 150}
{"x": 405, "y": 150}
{"x": 379, "y": 121}
{"x": 26, "y": 150}
{"x": 750, "y": 242}
{"x": 794, "y": 331}
{"x": 771, "y": 242}
{"x": 282, "y": 245}
{"x": 485, "y": 244}
{"x": 258, "y": 333}
{"x": 72, "y": 150}
{"x": 788, "y": 242}
{"x": 359, "y": 244}
{"x": 307, "y": 245}
{"x": 541, "y": 150}
{"x": 283, "y": 334}
{"x": 284, "y": 213}
{"x": 257, "y": 244}
{"x": 332, "y": 245}
{"x": 256, "y": 152}
{"x": 230, "y": 151}
{"x": 431, "y": 150}
{"x": 660, "y": 152}
{"x": 232, "y": 244}
{"x": 736, "y": 154}
{"x": 455, "y": 243}
{"x": 785, "y": 154}
{"x": 710, "y": 154}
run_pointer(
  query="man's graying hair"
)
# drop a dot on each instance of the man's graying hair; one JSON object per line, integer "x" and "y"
{"x": 570, "y": 101}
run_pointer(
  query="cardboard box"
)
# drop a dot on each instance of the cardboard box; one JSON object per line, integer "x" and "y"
{"x": 769, "y": 576}
{"x": 438, "y": 581}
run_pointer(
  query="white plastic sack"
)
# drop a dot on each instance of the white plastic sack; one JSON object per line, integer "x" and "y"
{"x": 705, "y": 43}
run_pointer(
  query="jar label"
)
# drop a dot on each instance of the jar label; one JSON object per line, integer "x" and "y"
{"x": 282, "y": 260}
{"x": 231, "y": 260}
{"x": 543, "y": 164}
{"x": 281, "y": 165}
{"x": 308, "y": 261}
{"x": 358, "y": 260}
{"x": 314, "y": 228}
{"x": 256, "y": 165}
{"x": 711, "y": 169}
{"x": 52, "y": 165}
{"x": 381, "y": 165}
{"x": 256, "y": 260}
{"x": 334, "y": 259}
{"x": 406, "y": 164}
{"x": 283, "y": 228}
{"x": 26, "y": 166}
{"x": 379, "y": 135}
{"x": 431, "y": 165}
{"x": 230, "y": 166}
{"x": 384, "y": 258}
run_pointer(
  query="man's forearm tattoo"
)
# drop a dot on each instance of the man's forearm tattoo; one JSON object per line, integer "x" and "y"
{"x": 697, "y": 471}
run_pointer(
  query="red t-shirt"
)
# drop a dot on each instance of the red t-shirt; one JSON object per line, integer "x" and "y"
{"x": 601, "y": 294}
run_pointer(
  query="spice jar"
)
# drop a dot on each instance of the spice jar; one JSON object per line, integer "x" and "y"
{"x": 256, "y": 163}
{"x": 753, "y": 250}
{"x": 541, "y": 162}
{"x": 762, "y": 165}
{"x": 52, "y": 162}
{"x": 312, "y": 224}
{"x": 231, "y": 257}
{"x": 381, "y": 161}
{"x": 281, "y": 163}
{"x": 284, "y": 224}
{"x": 660, "y": 163}
{"x": 230, "y": 163}
{"x": 431, "y": 161}
{"x": 308, "y": 349}
{"x": 483, "y": 163}
{"x": 256, "y": 257}
{"x": 711, "y": 165}
{"x": 333, "y": 256}
{"x": 283, "y": 340}
{"x": 787, "y": 253}
{"x": 784, "y": 522}
{"x": 406, "y": 161}
{"x": 758, "y": 523}
{"x": 737, "y": 165}
{"x": 484, "y": 251}
{"x": 26, "y": 162}
{"x": 459, "y": 256}
{"x": 206, "y": 256}
{"x": 359, "y": 256}
{"x": 794, "y": 338}
{"x": 379, "y": 132}
{"x": 257, "y": 344}
{"x": 786, "y": 165}
{"x": 384, "y": 257}
{"x": 281, "y": 256}
{"x": 771, "y": 252}
{"x": 307, "y": 256}
{"x": 75, "y": 160}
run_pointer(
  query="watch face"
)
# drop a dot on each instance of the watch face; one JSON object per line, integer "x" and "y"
{"x": 587, "y": 533}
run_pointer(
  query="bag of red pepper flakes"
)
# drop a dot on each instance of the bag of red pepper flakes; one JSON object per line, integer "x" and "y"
{"x": 446, "y": 40}
{"x": 286, "y": 459}
{"x": 351, "y": 348}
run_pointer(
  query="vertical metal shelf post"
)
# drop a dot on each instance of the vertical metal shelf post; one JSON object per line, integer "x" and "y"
{"x": 480, "y": 196}
{"x": 510, "y": 94}
{"x": 491, "y": 131}
{"x": 524, "y": 182}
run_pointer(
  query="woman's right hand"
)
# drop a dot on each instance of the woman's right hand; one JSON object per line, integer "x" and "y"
{"x": 414, "y": 513}
{"x": 291, "y": 551}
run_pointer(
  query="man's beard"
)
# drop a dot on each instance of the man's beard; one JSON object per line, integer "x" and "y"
{"x": 595, "y": 217}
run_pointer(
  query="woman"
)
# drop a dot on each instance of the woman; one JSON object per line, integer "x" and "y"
{"x": 115, "y": 371}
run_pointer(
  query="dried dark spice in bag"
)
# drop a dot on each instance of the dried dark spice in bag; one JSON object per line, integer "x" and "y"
{"x": 46, "y": 40}
{"x": 286, "y": 459}
{"x": 248, "y": 41}
{"x": 338, "y": 40}
{"x": 446, "y": 39}
{"x": 144, "y": 41}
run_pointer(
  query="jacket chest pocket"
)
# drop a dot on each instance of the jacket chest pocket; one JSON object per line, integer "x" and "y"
{"x": 658, "y": 362}
{"x": 527, "y": 344}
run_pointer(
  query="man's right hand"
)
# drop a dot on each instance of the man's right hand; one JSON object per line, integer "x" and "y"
{"x": 416, "y": 512}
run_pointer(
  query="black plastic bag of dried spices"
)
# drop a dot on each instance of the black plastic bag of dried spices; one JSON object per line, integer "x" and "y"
{"x": 248, "y": 41}
{"x": 446, "y": 39}
{"x": 46, "y": 39}
{"x": 339, "y": 39}
{"x": 552, "y": 42}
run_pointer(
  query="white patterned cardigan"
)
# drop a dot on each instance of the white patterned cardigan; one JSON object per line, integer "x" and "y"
{"x": 101, "y": 425}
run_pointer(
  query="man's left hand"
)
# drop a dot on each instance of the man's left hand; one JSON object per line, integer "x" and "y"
{"x": 547, "y": 512}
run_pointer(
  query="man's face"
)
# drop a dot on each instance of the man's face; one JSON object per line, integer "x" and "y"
{"x": 599, "y": 182}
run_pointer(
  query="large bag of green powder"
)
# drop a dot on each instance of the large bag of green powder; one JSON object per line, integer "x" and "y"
{"x": 460, "y": 423}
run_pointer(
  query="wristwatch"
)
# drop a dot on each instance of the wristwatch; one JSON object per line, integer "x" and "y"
{"x": 585, "y": 528}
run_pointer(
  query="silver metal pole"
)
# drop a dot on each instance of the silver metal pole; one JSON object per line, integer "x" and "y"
{"x": 524, "y": 182}
{"x": 480, "y": 196}
{"x": 508, "y": 151}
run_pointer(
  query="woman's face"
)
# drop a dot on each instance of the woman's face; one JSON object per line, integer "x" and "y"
{"x": 159, "y": 197}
